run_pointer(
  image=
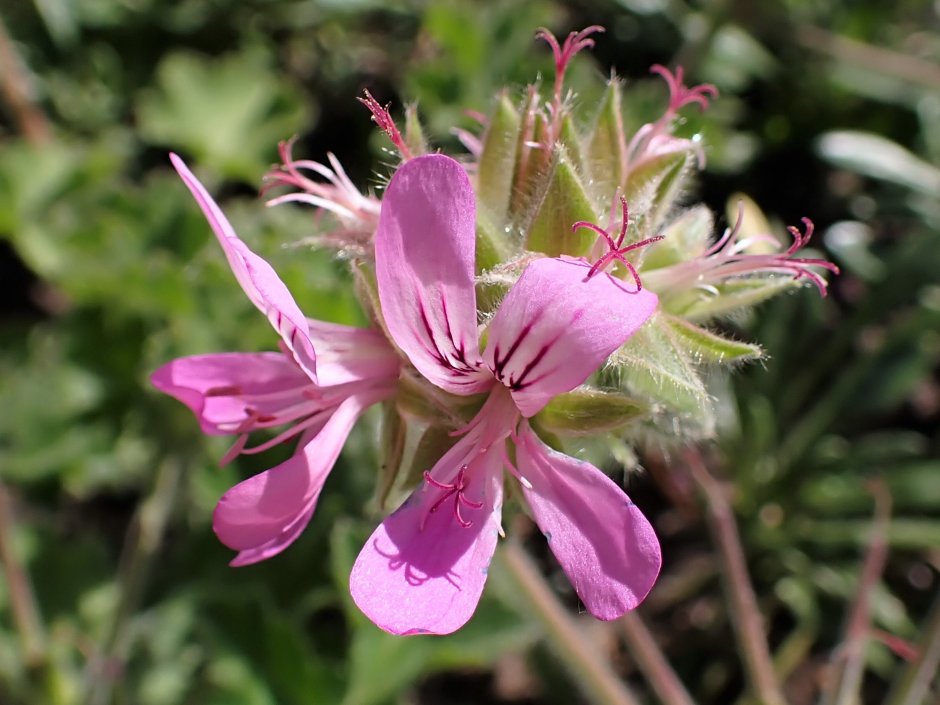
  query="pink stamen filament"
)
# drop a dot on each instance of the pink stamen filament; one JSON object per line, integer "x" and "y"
{"x": 725, "y": 259}
{"x": 616, "y": 250}
{"x": 457, "y": 488}
{"x": 681, "y": 95}
{"x": 383, "y": 119}
{"x": 575, "y": 42}
{"x": 289, "y": 433}
{"x": 339, "y": 195}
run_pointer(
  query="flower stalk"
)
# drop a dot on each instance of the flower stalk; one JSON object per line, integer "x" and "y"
{"x": 142, "y": 542}
{"x": 23, "y": 603}
{"x": 849, "y": 658}
{"x": 652, "y": 662}
{"x": 745, "y": 615}
{"x": 587, "y": 666}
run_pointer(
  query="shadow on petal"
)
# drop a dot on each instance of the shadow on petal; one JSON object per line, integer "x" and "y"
{"x": 421, "y": 571}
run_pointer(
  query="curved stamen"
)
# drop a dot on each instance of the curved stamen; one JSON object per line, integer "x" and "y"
{"x": 616, "y": 249}
{"x": 680, "y": 94}
{"x": 383, "y": 119}
{"x": 457, "y": 490}
{"x": 574, "y": 43}
{"x": 729, "y": 258}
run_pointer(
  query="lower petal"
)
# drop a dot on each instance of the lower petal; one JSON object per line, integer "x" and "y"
{"x": 421, "y": 571}
{"x": 277, "y": 544}
{"x": 216, "y": 386}
{"x": 262, "y": 514}
{"x": 603, "y": 542}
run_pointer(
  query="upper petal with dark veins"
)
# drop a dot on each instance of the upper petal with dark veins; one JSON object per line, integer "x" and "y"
{"x": 424, "y": 263}
{"x": 556, "y": 327}
{"x": 257, "y": 278}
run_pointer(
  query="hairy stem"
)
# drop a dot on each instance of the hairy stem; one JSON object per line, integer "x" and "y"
{"x": 850, "y": 657}
{"x": 745, "y": 616}
{"x": 22, "y": 600}
{"x": 588, "y": 667}
{"x": 912, "y": 686}
{"x": 141, "y": 543}
{"x": 17, "y": 92}
{"x": 652, "y": 662}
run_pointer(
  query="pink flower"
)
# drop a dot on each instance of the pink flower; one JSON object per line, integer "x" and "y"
{"x": 423, "y": 570}
{"x": 323, "y": 379}
{"x": 655, "y": 139}
{"x": 330, "y": 190}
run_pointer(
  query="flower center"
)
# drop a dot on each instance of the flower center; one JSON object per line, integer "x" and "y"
{"x": 616, "y": 250}
{"x": 457, "y": 491}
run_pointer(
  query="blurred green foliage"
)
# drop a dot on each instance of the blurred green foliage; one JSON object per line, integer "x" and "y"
{"x": 828, "y": 109}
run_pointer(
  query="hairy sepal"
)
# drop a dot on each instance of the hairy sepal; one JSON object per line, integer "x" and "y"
{"x": 707, "y": 347}
{"x": 655, "y": 183}
{"x": 585, "y": 411}
{"x": 497, "y": 165}
{"x": 605, "y": 147}
{"x": 565, "y": 202}
{"x": 656, "y": 365}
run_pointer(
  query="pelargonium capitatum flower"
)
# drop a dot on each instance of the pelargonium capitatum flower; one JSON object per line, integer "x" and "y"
{"x": 356, "y": 214}
{"x": 424, "y": 568}
{"x": 734, "y": 257}
{"x": 655, "y": 138}
{"x": 323, "y": 379}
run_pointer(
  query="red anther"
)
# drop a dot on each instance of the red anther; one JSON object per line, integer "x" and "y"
{"x": 616, "y": 250}
{"x": 457, "y": 491}
{"x": 680, "y": 94}
{"x": 383, "y": 119}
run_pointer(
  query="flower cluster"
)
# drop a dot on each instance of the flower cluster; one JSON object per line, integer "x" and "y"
{"x": 501, "y": 302}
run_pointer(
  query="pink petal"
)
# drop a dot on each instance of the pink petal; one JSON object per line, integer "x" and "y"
{"x": 555, "y": 328}
{"x": 257, "y": 278}
{"x": 606, "y": 547}
{"x": 222, "y": 389}
{"x": 421, "y": 572}
{"x": 265, "y": 513}
{"x": 424, "y": 258}
{"x": 346, "y": 354}
{"x": 277, "y": 544}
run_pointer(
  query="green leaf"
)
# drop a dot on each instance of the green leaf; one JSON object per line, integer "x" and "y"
{"x": 880, "y": 158}
{"x": 435, "y": 441}
{"x": 229, "y": 113}
{"x": 571, "y": 141}
{"x": 589, "y": 412}
{"x": 421, "y": 401}
{"x": 492, "y": 245}
{"x": 392, "y": 447}
{"x": 913, "y": 487}
{"x": 709, "y": 347}
{"x": 606, "y": 146}
{"x": 565, "y": 202}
